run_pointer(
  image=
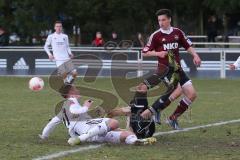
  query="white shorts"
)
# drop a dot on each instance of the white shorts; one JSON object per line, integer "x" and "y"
{"x": 65, "y": 67}
{"x": 60, "y": 62}
{"x": 110, "y": 137}
{"x": 82, "y": 127}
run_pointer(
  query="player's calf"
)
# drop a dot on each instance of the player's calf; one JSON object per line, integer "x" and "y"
{"x": 190, "y": 96}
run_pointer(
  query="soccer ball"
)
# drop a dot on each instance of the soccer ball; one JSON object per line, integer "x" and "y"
{"x": 36, "y": 84}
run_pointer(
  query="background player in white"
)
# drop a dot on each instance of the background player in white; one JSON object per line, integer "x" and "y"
{"x": 61, "y": 52}
{"x": 235, "y": 65}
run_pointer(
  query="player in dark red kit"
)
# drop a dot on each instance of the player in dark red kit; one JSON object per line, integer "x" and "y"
{"x": 164, "y": 44}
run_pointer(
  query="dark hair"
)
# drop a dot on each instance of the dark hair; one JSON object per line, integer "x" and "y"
{"x": 64, "y": 90}
{"x": 166, "y": 12}
{"x": 60, "y": 22}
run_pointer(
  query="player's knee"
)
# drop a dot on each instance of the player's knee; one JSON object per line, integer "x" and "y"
{"x": 113, "y": 124}
{"x": 128, "y": 137}
{"x": 175, "y": 95}
{"x": 192, "y": 96}
{"x": 142, "y": 88}
{"x": 125, "y": 134}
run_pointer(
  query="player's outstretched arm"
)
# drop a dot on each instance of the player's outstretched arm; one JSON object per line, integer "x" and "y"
{"x": 123, "y": 111}
{"x": 50, "y": 127}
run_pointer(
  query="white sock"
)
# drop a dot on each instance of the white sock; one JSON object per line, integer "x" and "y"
{"x": 131, "y": 139}
{"x": 70, "y": 77}
{"x": 97, "y": 130}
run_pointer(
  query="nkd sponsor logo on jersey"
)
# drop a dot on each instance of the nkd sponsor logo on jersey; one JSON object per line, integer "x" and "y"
{"x": 170, "y": 46}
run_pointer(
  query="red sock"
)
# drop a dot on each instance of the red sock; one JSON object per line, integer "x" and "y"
{"x": 181, "y": 108}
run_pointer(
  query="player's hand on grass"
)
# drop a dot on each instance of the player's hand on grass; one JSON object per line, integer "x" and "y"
{"x": 42, "y": 138}
{"x": 73, "y": 141}
{"x": 197, "y": 60}
{"x": 88, "y": 103}
{"x": 232, "y": 66}
{"x": 147, "y": 114}
{"x": 51, "y": 57}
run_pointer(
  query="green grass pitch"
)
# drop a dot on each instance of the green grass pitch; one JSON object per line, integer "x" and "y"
{"x": 24, "y": 113}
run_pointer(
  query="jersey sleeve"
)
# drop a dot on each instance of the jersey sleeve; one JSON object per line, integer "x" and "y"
{"x": 51, "y": 126}
{"x": 77, "y": 109}
{"x": 184, "y": 41}
{"x": 150, "y": 46}
{"x": 67, "y": 45}
{"x": 47, "y": 44}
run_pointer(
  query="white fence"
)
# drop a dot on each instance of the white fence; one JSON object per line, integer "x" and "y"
{"x": 220, "y": 64}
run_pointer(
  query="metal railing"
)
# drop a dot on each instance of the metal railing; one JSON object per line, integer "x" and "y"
{"x": 220, "y": 62}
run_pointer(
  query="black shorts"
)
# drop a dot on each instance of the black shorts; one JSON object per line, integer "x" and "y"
{"x": 171, "y": 78}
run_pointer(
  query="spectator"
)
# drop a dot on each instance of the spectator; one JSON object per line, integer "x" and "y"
{"x": 139, "y": 41}
{"x": 98, "y": 41}
{"x": 212, "y": 28}
{"x": 114, "y": 37}
{"x": 4, "y": 38}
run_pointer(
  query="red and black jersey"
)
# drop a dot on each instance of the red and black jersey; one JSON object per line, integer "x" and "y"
{"x": 170, "y": 40}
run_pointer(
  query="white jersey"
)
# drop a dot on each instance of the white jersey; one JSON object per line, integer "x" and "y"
{"x": 73, "y": 112}
{"x": 70, "y": 113}
{"x": 60, "y": 47}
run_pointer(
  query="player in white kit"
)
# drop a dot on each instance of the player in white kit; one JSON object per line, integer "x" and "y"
{"x": 84, "y": 129}
{"x": 61, "y": 53}
{"x": 235, "y": 65}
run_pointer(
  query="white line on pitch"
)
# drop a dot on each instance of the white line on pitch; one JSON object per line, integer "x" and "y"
{"x": 197, "y": 127}
{"x": 64, "y": 153}
{"x": 90, "y": 147}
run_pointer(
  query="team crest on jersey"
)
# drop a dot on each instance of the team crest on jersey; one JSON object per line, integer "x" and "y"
{"x": 176, "y": 37}
{"x": 163, "y": 39}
